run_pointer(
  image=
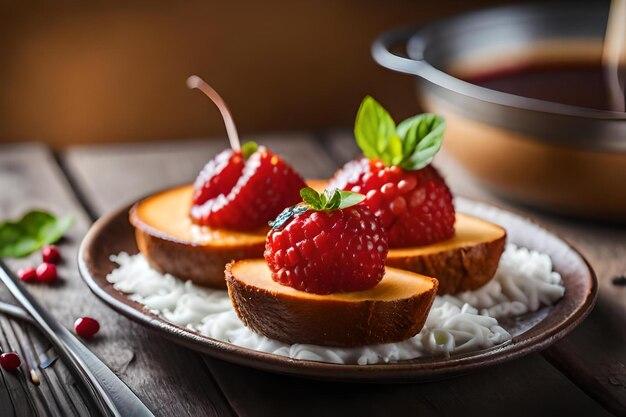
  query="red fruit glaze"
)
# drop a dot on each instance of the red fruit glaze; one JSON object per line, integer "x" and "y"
{"x": 27, "y": 274}
{"x": 244, "y": 195}
{"x": 50, "y": 254}
{"x": 86, "y": 327}
{"x": 415, "y": 207}
{"x": 10, "y": 361}
{"x": 328, "y": 251}
{"x": 46, "y": 273}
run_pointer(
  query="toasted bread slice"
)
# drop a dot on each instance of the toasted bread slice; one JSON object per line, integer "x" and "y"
{"x": 173, "y": 244}
{"x": 465, "y": 262}
{"x": 393, "y": 310}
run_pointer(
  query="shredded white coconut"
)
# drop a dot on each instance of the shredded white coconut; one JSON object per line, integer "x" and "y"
{"x": 463, "y": 323}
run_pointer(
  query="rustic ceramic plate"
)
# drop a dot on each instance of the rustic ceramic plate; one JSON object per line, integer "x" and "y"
{"x": 532, "y": 332}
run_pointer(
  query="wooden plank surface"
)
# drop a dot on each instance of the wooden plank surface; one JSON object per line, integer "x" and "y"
{"x": 594, "y": 355}
{"x": 523, "y": 387}
{"x": 169, "y": 379}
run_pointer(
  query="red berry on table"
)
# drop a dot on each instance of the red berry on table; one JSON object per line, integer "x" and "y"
{"x": 86, "y": 327}
{"x": 10, "y": 361}
{"x": 46, "y": 273}
{"x": 27, "y": 274}
{"x": 243, "y": 190}
{"x": 411, "y": 199}
{"x": 330, "y": 244}
{"x": 50, "y": 254}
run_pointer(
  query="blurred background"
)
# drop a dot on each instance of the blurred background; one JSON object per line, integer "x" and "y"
{"x": 85, "y": 72}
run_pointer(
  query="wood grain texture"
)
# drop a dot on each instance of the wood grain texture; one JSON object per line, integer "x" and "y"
{"x": 540, "y": 390}
{"x": 594, "y": 355}
{"x": 30, "y": 177}
{"x": 523, "y": 387}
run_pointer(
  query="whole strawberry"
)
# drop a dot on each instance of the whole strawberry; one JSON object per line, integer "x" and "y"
{"x": 243, "y": 190}
{"x": 329, "y": 243}
{"x": 408, "y": 195}
{"x": 244, "y": 187}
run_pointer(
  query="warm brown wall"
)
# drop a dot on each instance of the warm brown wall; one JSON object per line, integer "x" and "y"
{"x": 86, "y": 72}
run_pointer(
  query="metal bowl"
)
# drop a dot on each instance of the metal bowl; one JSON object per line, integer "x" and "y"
{"x": 560, "y": 157}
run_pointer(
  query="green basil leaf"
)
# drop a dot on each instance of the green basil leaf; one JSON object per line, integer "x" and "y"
{"x": 421, "y": 136}
{"x": 394, "y": 150}
{"x": 407, "y": 130}
{"x": 348, "y": 198}
{"x": 393, "y": 154}
{"x": 373, "y": 128}
{"x": 311, "y": 197}
{"x": 248, "y": 148}
{"x": 31, "y": 232}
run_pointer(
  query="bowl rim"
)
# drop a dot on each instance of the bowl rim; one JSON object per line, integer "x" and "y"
{"x": 416, "y": 41}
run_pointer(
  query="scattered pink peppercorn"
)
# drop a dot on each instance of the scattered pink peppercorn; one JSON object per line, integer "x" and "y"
{"x": 27, "y": 274}
{"x": 10, "y": 361}
{"x": 86, "y": 327}
{"x": 47, "y": 273}
{"x": 50, "y": 254}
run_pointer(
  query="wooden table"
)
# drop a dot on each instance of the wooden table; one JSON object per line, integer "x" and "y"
{"x": 582, "y": 375}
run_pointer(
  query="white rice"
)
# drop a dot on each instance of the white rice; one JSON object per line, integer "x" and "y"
{"x": 463, "y": 323}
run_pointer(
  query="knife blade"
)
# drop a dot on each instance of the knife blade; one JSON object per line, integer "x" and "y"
{"x": 110, "y": 395}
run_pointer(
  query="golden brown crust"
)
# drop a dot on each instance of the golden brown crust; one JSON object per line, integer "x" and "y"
{"x": 165, "y": 237}
{"x": 292, "y": 319}
{"x": 459, "y": 269}
{"x": 202, "y": 265}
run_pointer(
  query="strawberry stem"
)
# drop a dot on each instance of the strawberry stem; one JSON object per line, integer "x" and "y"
{"x": 196, "y": 82}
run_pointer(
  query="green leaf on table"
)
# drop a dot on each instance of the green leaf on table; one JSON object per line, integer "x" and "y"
{"x": 37, "y": 228}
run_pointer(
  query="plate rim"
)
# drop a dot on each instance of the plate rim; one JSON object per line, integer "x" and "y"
{"x": 391, "y": 372}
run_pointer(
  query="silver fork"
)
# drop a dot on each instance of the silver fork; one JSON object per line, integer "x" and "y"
{"x": 111, "y": 396}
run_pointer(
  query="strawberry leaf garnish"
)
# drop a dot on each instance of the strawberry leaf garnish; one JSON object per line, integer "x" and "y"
{"x": 411, "y": 145}
{"x": 311, "y": 197}
{"x": 348, "y": 199}
{"x": 373, "y": 128}
{"x": 312, "y": 200}
{"x": 248, "y": 148}
{"x": 421, "y": 140}
{"x": 330, "y": 199}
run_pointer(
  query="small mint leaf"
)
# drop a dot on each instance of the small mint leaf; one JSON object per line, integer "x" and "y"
{"x": 287, "y": 214}
{"x": 421, "y": 136}
{"x": 248, "y": 148}
{"x": 31, "y": 232}
{"x": 312, "y": 198}
{"x": 323, "y": 201}
{"x": 373, "y": 128}
{"x": 348, "y": 199}
{"x": 334, "y": 201}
